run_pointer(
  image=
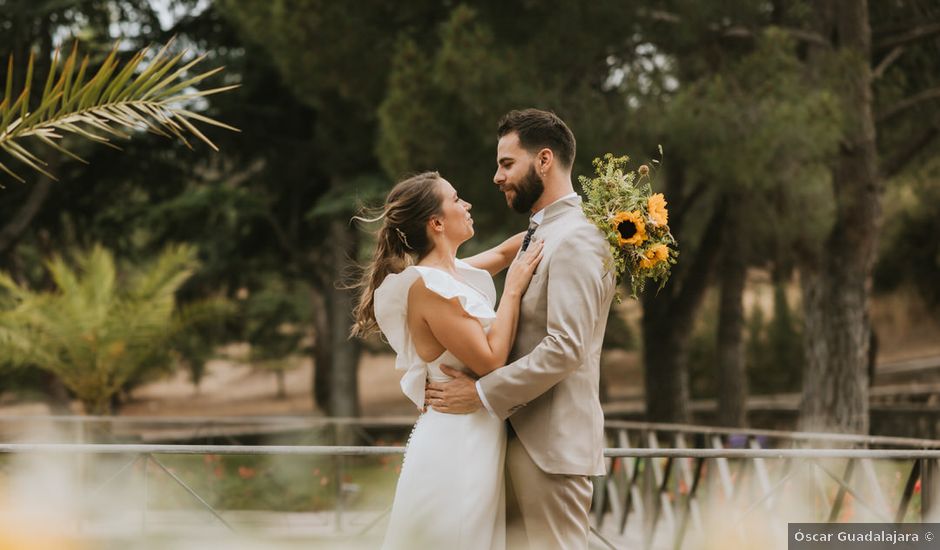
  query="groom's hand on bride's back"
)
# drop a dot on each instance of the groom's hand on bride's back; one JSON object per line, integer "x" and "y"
{"x": 458, "y": 396}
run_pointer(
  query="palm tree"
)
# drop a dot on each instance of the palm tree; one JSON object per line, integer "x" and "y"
{"x": 99, "y": 329}
{"x": 111, "y": 103}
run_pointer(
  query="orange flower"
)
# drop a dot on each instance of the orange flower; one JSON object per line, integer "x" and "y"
{"x": 630, "y": 227}
{"x": 655, "y": 254}
{"x": 657, "y": 209}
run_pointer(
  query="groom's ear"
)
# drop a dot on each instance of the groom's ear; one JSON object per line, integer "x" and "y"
{"x": 544, "y": 160}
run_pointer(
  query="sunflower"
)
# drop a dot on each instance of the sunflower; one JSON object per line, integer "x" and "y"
{"x": 630, "y": 227}
{"x": 657, "y": 209}
{"x": 655, "y": 254}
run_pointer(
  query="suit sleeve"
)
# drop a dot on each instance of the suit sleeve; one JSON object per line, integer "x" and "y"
{"x": 579, "y": 288}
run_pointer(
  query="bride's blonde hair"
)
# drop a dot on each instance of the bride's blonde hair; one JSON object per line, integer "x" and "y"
{"x": 401, "y": 241}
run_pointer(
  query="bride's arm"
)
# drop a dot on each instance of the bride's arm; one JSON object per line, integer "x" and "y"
{"x": 462, "y": 334}
{"x": 499, "y": 257}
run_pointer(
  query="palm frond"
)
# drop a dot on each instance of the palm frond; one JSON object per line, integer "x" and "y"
{"x": 96, "y": 331}
{"x": 116, "y": 101}
{"x": 165, "y": 275}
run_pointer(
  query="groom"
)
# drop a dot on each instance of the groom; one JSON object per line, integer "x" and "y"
{"x": 549, "y": 390}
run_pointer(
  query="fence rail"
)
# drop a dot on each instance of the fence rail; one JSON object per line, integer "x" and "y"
{"x": 661, "y": 478}
{"x": 256, "y": 425}
{"x": 340, "y": 450}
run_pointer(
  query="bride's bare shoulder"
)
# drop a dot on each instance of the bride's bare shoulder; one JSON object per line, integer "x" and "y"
{"x": 424, "y": 301}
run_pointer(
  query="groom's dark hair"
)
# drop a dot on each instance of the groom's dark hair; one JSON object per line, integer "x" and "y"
{"x": 539, "y": 129}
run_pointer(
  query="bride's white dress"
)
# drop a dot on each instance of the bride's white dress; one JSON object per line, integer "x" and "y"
{"x": 450, "y": 494}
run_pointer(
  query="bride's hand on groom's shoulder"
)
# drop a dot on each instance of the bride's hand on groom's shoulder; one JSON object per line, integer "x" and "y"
{"x": 458, "y": 396}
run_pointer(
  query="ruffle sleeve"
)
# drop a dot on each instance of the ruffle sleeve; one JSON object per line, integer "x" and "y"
{"x": 480, "y": 279}
{"x": 391, "y": 310}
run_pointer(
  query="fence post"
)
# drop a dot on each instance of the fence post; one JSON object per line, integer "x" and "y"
{"x": 927, "y": 497}
{"x": 143, "y": 523}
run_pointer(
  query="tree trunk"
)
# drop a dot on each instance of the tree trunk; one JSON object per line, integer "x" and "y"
{"x": 836, "y": 284}
{"x": 732, "y": 376}
{"x": 668, "y": 317}
{"x": 281, "y": 386}
{"x": 664, "y": 366}
{"x": 98, "y": 405}
{"x": 783, "y": 335}
{"x": 57, "y": 395}
{"x": 13, "y": 229}
{"x": 100, "y": 430}
{"x": 322, "y": 352}
{"x": 344, "y": 380}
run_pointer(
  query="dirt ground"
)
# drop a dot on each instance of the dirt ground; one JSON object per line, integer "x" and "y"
{"x": 231, "y": 387}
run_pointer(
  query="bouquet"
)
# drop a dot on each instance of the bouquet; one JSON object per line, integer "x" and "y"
{"x": 621, "y": 203}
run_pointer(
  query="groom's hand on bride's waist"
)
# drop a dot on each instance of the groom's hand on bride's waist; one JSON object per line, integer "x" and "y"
{"x": 458, "y": 396}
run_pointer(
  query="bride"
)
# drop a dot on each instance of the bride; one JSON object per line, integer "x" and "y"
{"x": 436, "y": 309}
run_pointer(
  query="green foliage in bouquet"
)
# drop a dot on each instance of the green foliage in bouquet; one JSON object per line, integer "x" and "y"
{"x": 621, "y": 203}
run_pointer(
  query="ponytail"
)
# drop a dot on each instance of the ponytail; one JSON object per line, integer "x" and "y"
{"x": 400, "y": 242}
{"x": 389, "y": 257}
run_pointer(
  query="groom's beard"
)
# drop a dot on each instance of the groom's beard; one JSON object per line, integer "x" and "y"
{"x": 527, "y": 192}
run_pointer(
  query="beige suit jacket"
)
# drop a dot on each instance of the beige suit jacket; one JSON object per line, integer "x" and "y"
{"x": 549, "y": 391}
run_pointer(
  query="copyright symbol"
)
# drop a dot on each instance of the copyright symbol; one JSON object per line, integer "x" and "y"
{"x": 928, "y": 536}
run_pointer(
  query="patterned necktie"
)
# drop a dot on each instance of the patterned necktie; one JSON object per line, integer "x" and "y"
{"x": 528, "y": 236}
